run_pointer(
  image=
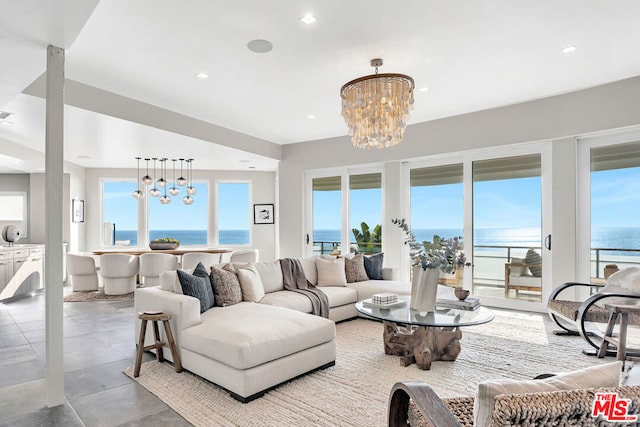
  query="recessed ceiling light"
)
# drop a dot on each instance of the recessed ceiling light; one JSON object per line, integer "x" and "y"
{"x": 423, "y": 89}
{"x": 260, "y": 46}
{"x": 243, "y": 161}
{"x": 252, "y": 167}
{"x": 308, "y": 19}
{"x": 569, "y": 49}
{"x": 5, "y": 115}
{"x": 311, "y": 116}
{"x": 84, "y": 157}
{"x": 202, "y": 75}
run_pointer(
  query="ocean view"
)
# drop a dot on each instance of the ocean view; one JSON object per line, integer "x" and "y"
{"x": 603, "y": 237}
{"x": 188, "y": 237}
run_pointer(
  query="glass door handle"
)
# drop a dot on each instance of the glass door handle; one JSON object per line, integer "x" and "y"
{"x": 547, "y": 242}
{"x": 307, "y": 238}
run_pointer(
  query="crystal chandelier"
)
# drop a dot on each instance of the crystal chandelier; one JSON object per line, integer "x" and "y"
{"x": 376, "y": 108}
{"x": 163, "y": 181}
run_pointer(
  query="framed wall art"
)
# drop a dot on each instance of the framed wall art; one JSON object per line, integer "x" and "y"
{"x": 77, "y": 210}
{"x": 263, "y": 214}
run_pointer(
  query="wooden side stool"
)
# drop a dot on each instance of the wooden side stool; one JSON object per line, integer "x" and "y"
{"x": 621, "y": 341}
{"x": 158, "y": 344}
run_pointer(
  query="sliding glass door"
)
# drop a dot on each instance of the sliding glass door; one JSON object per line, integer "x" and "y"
{"x": 507, "y": 228}
{"x": 345, "y": 214}
{"x": 614, "y": 199}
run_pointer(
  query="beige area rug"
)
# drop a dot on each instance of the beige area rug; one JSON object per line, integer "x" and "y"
{"x": 355, "y": 391}
{"x": 99, "y": 295}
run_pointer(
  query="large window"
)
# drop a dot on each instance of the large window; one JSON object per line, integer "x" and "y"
{"x": 186, "y": 223}
{"x": 437, "y": 207}
{"x": 327, "y": 215}
{"x": 120, "y": 214}
{"x": 507, "y": 227}
{"x": 365, "y": 212}
{"x": 234, "y": 213}
{"x": 615, "y": 203}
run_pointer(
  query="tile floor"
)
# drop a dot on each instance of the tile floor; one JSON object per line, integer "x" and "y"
{"x": 99, "y": 344}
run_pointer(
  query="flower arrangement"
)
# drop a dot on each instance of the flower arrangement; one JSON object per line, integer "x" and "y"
{"x": 445, "y": 254}
{"x": 165, "y": 240}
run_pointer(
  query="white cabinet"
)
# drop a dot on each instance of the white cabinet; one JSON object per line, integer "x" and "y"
{"x": 21, "y": 270}
{"x": 6, "y": 268}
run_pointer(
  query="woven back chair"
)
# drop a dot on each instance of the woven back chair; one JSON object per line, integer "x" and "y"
{"x": 416, "y": 404}
{"x": 573, "y": 317}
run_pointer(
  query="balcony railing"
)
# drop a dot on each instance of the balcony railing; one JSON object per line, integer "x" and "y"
{"x": 489, "y": 260}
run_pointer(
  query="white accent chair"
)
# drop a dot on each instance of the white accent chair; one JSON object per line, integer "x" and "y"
{"x": 82, "y": 272}
{"x": 119, "y": 273}
{"x": 191, "y": 259}
{"x": 151, "y": 265}
{"x": 247, "y": 255}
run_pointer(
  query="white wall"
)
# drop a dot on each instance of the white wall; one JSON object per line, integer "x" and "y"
{"x": 263, "y": 190}
{"x": 612, "y": 106}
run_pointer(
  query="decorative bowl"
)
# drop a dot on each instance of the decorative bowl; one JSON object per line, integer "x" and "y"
{"x": 157, "y": 246}
{"x": 461, "y": 293}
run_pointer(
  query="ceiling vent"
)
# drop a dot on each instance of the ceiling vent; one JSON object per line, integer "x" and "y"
{"x": 4, "y": 115}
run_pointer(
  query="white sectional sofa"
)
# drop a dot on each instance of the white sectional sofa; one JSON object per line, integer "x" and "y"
{"x": 248, "y": 348}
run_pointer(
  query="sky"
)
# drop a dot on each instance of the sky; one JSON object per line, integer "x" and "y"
{"x": 505, "y": 203}
{"x": 513, "y": 203}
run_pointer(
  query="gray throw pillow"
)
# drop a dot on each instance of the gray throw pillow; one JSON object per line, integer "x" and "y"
{"x": 354, "y": 269}
{"x": 534, "y": 257}
{"x": 197, "y": 286}
{"x": 226, "y": 286}
{"x": 373, "y": 266}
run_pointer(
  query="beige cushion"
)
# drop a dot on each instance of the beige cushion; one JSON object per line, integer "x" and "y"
{"x": 245, "y": 335}
{"x": 625, "y": 281}
{"x": 605, "y": 375}
{"x": 331, "y": 272}
{"x": 354, "y": 269}
{"x": 310, "y": 270}
{"x": 338, "y": 295}
{"x": 252, "y": 288}
{"x": 288, "y": 299}
{"x": 271, "y": 275}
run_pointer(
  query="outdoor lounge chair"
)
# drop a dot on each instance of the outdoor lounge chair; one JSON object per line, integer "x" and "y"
{"x": 575, "y": 317}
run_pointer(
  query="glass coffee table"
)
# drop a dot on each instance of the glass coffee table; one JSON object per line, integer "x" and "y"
{"x": 422, "y": 337}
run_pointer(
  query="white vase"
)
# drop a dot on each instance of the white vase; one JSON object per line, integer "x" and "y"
{"x": 424, "y": 288}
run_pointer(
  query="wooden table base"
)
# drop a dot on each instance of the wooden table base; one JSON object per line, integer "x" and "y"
{"x": 421, "y": 344}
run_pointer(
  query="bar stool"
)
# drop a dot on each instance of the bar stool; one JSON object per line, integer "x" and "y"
{"x": 621, "y": 342}
{"x": 158, "y": 344}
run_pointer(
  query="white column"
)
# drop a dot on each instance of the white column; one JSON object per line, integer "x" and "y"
{"x": 53, "y": 274}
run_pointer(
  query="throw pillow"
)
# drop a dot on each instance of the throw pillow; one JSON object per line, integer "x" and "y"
{"x": 534, "y": 257}
{"x": 625, "y": 281}
{"x": 354, "y": 269}
{"x": 331, "y": 272}
{"x": 518, "y": 270}
{"x": 605, "y": 375}
{"x": 197, "y": 286}
{"x": 250, "y": 283}
{"x": 226, "y": 286}
{"x": 271, "y": 275}
{"x": 373, "y": 266}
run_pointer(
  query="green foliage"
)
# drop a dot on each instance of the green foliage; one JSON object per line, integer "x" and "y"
{"x": 369, "y": 241}
{"x": 445, "y": 254}
{"x": 165, "y": 240}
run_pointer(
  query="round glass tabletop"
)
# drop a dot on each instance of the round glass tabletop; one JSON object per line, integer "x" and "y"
{"x": 441, "y": 317}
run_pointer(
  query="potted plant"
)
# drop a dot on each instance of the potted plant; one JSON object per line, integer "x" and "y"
{"x": 165, "y": 243}
{"x": 428, "y": 259}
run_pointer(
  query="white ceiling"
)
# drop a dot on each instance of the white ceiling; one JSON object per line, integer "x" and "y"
{"x": 472, "y": 55}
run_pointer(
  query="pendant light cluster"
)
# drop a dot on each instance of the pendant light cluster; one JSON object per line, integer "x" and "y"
{"x": 163, "y": 183}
